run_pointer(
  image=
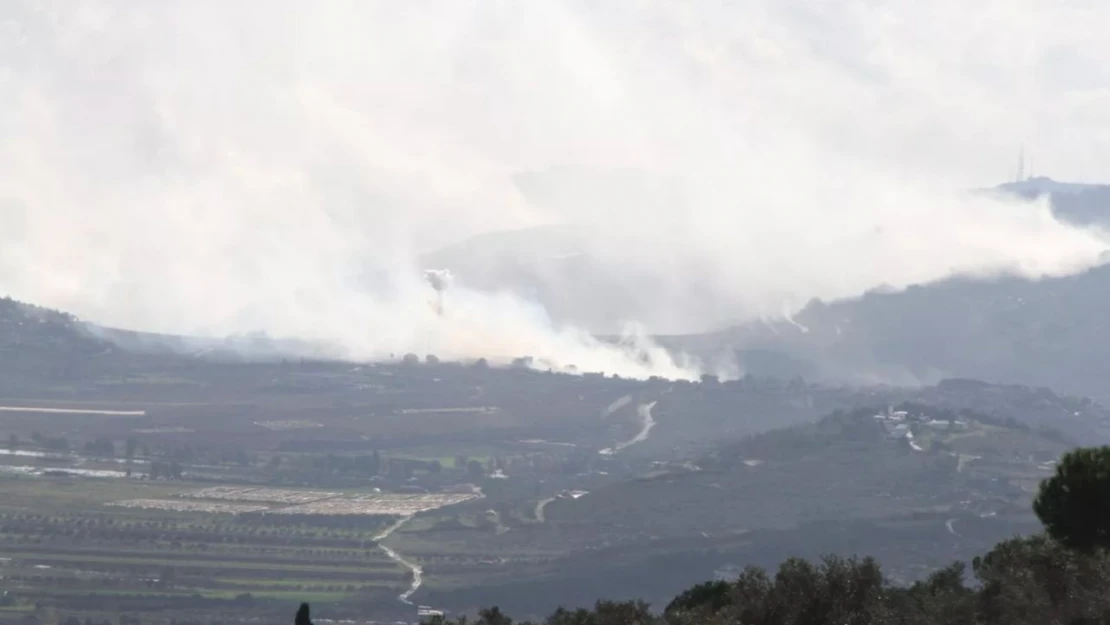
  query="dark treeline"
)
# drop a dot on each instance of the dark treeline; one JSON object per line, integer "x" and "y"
{"x": 1021, "y": 581}
{"x": 1061, "y": 576}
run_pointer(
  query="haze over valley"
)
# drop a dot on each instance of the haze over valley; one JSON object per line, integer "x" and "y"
{"x": 406, "y": 310}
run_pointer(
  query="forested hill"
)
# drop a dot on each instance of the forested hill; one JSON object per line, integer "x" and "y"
{"x": 33, "y": 327}
{"x": 1006, "y": 330}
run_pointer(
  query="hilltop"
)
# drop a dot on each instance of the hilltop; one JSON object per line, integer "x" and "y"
{"x": 1078, "y": 203}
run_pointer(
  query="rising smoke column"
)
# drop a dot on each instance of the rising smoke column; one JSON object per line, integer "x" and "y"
{"x": 439, "y": 280}
{"x": 215, "y": 168}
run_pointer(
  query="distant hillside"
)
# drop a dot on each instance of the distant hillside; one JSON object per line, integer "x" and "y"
{"x": 39, "y": 346}
{"x": 47, "y": 353}
{"x": 24, "y": 326}
{"x": 1078, "y": 203}
{"x": 246, "y": 347}
{"x": 850, "y": 483}
{"x": 848, "y": 465}
{"x": 1040, "y": 185}
{"x": 689, "y": 417}
{"x": 1051, "y": 333}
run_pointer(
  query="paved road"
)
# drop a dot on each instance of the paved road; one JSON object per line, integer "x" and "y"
{"x": 417, "y": 572}
{"x": 647, "y": 422}
{"x": 122, "y": 413}
{"x": 540, "y": 505}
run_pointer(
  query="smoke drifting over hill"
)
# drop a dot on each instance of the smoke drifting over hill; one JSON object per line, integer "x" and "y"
{"x": 221, "y": 167}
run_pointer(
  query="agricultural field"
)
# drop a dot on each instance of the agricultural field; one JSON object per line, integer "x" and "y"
{"x": 266, "y": 495}
{"x": 85, "y": 545}
{"x": 188, "y": 506}
{"x": 244, "y": 500}
{"x": 379, "y": 504}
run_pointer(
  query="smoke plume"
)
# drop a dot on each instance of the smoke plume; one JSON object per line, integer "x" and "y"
{"x": 217, "y": 167}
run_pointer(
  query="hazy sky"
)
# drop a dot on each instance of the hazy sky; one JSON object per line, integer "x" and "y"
{"x": 217, "y": 166}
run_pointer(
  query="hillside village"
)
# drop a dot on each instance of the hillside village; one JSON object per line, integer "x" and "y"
{"x": 900, "y": 424}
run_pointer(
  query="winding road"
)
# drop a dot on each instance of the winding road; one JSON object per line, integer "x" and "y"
{"x": 647, "y": 422}
{"x": 616, "y": 405}
{"x": 417, "y": 572}
{"x": 540, "y": 505}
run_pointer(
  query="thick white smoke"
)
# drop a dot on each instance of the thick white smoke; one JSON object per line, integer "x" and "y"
{"x": 215, "y": 167}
